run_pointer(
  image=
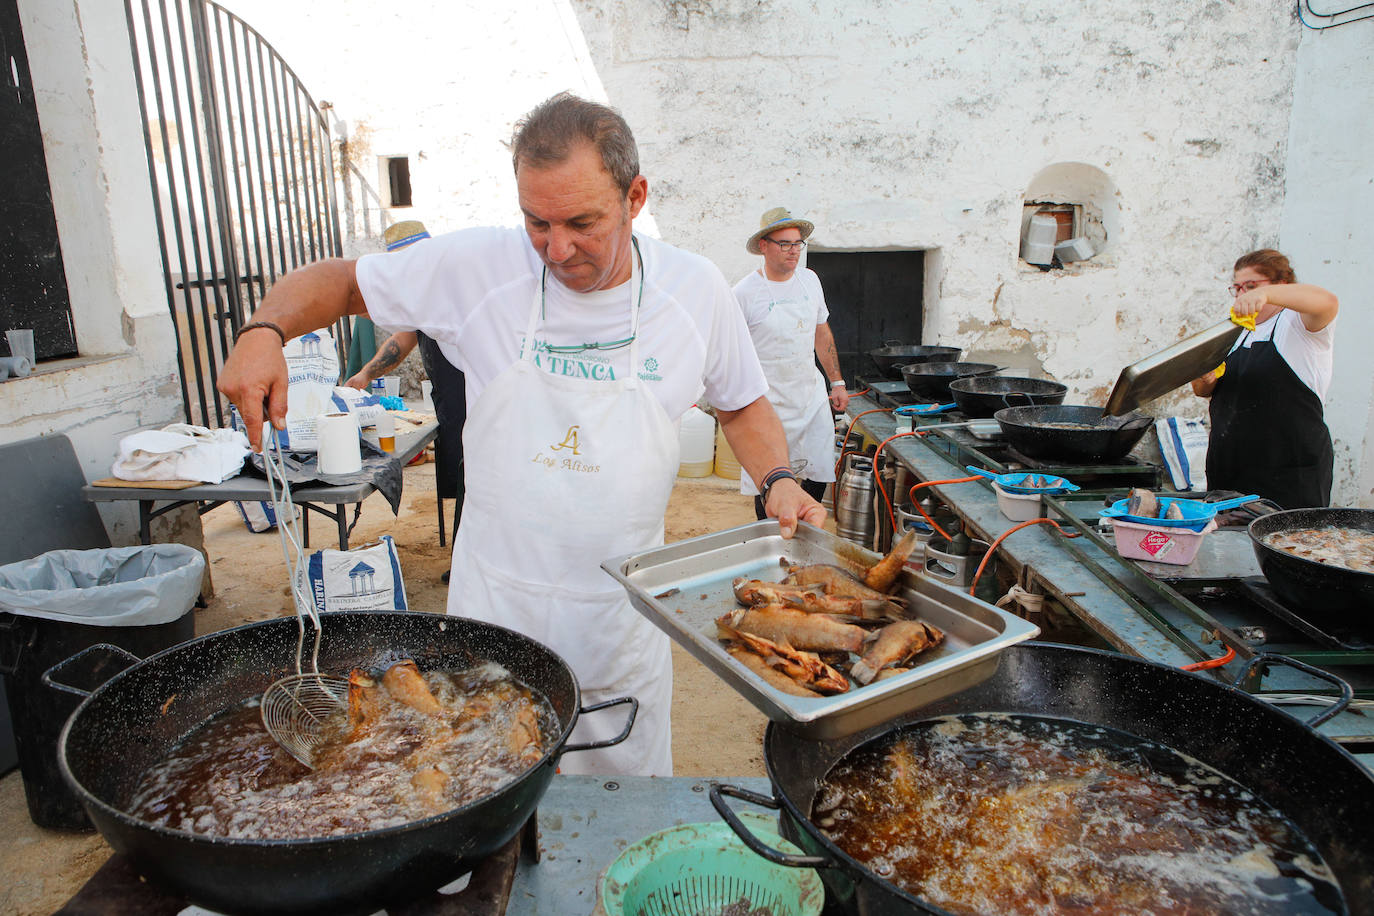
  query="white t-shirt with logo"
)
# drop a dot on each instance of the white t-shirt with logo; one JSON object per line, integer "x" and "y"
{"x": 472, "y": 291}
{"x": 756, "y": 294}
{"x": 1308, "y": 353}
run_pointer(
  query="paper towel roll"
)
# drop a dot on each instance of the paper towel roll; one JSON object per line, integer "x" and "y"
{"x": 339, "y": 452}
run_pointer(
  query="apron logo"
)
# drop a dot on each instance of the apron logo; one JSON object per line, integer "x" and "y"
{"x": 572, "y": 441}
{"x": 569, "y": 441}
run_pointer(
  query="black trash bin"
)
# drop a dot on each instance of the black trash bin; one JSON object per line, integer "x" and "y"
{"x": 57, "y": 604}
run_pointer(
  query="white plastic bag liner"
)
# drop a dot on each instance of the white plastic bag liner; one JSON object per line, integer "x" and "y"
{"x": 362, "y": 579}
{"x": 105, "y": 587}
{"x": 365, "y": 406}
{"x": 1183, "y": 443}
{"x": 181, "y": 452}
{"x": 312, "y": 371}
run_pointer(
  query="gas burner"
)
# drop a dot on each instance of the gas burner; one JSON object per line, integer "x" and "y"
{"x": 1261, "y": 592}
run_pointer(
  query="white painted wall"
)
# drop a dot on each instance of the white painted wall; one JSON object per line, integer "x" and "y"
{"x": 892, "y": 126}
{"x": 126, "y": 377}
{"x": 1327, "y": 231}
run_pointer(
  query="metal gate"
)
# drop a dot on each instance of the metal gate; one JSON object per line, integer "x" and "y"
{"x": 242, "y": 173}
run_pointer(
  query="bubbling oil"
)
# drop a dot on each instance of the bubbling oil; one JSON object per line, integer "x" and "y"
{"x": 1009, "y": 815}
{"x": 229, "y": 778}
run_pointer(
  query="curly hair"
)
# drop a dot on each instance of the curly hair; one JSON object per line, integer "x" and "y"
{"x": 1273, "y": 265}
{"x": 547, "y": 134}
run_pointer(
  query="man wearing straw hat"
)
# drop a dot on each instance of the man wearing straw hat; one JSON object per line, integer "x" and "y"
{"x": 583, "y": 343}
{"x": 785, "y": 309}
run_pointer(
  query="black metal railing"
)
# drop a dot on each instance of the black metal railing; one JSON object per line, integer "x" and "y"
{"x": 242, "y": 170}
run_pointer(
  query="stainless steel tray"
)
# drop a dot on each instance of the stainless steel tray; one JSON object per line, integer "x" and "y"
{"x": 1157, "y": 375}
{"x": 683, "y": 587}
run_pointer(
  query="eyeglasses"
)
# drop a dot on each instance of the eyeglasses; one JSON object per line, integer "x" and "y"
{"x": 578, "y": 348}
{"x": 1238, "y": 288}
{"x": 787, "y": 246}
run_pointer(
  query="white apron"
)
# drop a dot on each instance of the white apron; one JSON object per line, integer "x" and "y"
{"x": 786, "y": 344}
{"x": 561, "y": 474}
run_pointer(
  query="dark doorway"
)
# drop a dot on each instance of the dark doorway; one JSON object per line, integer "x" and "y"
{"x": 873, "y": 297}
{"x": 33, "y": 284}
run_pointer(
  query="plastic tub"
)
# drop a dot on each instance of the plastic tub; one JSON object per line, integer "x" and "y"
{"x": 1018, "y": 507}
{"x": 1158, "y": 544}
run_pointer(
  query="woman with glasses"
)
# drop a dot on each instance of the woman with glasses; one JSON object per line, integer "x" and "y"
{"x": 1268, "y": 432}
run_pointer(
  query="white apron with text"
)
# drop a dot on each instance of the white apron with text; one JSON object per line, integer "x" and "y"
{"x": 563, "y": 473}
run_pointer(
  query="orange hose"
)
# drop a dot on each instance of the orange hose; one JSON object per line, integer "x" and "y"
{"x": 930, "y": 483}
{"x": 1211, "y": 662}
{"x": 1003, "y": 536}
{"x": 878, "y": 478}
{"x": 835, "y": 492}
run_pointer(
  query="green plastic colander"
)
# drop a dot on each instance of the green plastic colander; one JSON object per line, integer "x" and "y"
{"x": 705, "y": 870}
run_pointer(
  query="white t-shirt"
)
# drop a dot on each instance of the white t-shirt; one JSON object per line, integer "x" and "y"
{"x": 472, "y": 291}
{"x": 756, "y": 294}
{"x": 1308, "y": 353}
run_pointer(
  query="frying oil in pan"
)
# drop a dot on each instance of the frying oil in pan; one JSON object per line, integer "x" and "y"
{"x": 1007, "y": 814}
{"x": 229, "y": 778}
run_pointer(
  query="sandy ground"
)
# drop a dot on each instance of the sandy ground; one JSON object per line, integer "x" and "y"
{"x": 715, "y": 731}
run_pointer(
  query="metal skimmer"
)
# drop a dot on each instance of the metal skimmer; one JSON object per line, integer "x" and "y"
{"x": 296, "y": 708}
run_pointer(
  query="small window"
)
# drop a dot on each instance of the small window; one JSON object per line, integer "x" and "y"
{"x": 397, "y": 176}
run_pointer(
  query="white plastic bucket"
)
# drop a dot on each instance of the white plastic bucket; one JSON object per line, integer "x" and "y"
{"x": 697, "y": 442}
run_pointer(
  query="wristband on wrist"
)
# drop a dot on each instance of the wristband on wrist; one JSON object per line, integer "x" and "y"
{"x": 773, "y": 477}
{"x": 260, "y": 324}
{"x": 837, "y": 384}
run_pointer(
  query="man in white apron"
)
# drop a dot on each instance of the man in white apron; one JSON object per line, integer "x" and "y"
{"x": 788, "y": 321}
{"x": 582, "y": 345}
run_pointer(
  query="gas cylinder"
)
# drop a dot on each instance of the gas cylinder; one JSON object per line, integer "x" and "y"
{"x": 854, "y": 500}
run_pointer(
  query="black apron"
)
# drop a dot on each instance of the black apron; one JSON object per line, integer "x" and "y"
{"x": 451, "y": 409}
{"x": 1268, "y": 434}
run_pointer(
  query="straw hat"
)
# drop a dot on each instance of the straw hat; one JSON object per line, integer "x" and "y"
{"x": 399, "y": 235}
{"x": 775, "y": 219}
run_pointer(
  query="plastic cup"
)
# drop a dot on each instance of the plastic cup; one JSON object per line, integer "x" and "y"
{"x": 393, "y": 385}
{"x": 386, "y": 432}
{"x": 427, "y": 394}
{"x": 21, "y": 343}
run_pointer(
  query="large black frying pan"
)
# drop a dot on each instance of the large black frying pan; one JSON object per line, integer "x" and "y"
{"x": 1325, "y": 792}
{"x": 1070, "y": 432}
{"x": 1325, "y": 594}
{"x": 892, "y": 357}
{"x": 980, "y": 396}
{"x": 135, "y": 718}
{"x": 930, "y": 381}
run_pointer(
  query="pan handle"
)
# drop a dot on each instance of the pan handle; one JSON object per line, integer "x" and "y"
{"x": 776, "y": 856}
{"x": 49, "y": 677}
{"x": 624, "y": 732}
{"x": 1027, "y": 400}
{"x": 1335, "y": 709}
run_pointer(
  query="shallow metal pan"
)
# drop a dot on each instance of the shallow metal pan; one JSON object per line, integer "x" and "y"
{"x": 683, "y": 587}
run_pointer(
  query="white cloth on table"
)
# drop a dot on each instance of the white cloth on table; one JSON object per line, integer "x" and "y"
{"x": 181, "y": 452}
